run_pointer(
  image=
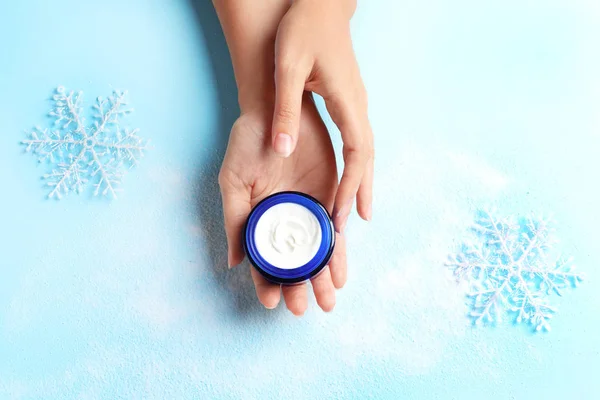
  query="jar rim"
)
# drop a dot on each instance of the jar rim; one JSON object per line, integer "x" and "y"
{"x": 313, "y": 267}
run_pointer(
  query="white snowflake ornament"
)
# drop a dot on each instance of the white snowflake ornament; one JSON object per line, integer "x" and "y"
{"x": 80, "y": 154}
{"x": 509, "y": 269}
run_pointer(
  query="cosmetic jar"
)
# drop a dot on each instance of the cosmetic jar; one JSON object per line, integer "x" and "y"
{"x": 289, "y": 237}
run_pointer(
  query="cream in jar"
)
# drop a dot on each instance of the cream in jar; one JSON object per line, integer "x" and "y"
{"x": 289, "y": 237}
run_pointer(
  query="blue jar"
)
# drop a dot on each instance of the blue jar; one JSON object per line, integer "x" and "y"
{"x": 289, "y": 237}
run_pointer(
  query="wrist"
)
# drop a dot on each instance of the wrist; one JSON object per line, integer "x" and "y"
{"x": 254, "y": 75}
{"x": 250, "y": 28}
{"x": 347, "y": 8}
{"x": 255, "y": 95}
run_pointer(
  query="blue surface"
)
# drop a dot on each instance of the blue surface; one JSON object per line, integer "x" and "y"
{"x": 472, "y": 103}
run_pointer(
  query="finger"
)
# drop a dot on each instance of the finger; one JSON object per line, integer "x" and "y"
{"x": 236, "y": 207}
{"x": 268, "y": 293}
{"x": 348, "y": 116}
{"x": 324, "y": 290}
{"x": 289, "y": 88}
{"x": 354, "y": 170}
{"x": 296, "y": 298}
{"x": 365, "y": 193}
{"x": 338, "y": 264}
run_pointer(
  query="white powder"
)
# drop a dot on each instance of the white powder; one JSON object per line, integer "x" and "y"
{"x": 288, "y": 235}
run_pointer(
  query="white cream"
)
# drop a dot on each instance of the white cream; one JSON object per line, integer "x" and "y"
{"x": 287, "y": 235}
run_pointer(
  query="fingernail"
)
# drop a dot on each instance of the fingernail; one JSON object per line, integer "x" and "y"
{"x": 344, "y": 210}
{"x": 283, "y": 145}
{"x": 343, "y": 214}
{"x": 369, "y": 213}
{"x": 343, "y": 226}
{"x": 271, "y": 308}
{"x": 229, "y": 260}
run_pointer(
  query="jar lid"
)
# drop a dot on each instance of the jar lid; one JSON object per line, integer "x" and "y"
{"x": 289, "y": 275}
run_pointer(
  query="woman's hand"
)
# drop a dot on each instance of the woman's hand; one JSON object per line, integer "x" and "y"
{"x": 251, "y": 171}
{"x": 306, "y": 47}
{"x": 313, "y": 51}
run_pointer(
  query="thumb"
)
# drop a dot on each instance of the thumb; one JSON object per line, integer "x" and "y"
{"x": 236, "y": 207}
{"x": 289, "y": 88}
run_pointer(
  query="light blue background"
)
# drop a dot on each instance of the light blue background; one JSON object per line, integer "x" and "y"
{"x": 472, "y": 103}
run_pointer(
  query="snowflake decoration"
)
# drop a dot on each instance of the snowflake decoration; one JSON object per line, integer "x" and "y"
{"x": 509, "y": 269}
{"x": 81, "y": 154}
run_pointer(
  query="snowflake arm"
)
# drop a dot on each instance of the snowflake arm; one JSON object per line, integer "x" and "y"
{"x": 127, "y": 146}
{"x": 488, "y": 299}
{"x": 49, "y": 145}
{"x": 110, "y": 176}
{"x": 68, "y": 176}
{"x": 108, "y": 111}
{"x": 561, "y": 276}
{"x": 67, "y": 110}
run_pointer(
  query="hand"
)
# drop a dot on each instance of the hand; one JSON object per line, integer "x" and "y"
{"x": 313, "y": 52}
{"x": 251, "y": 171}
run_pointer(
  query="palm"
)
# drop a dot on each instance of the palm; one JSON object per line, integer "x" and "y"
{"x": 311, "y": 169}
{"x": 252, "y": 171}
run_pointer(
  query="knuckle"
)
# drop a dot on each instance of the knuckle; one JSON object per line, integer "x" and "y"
{"x": 285, "y": 112}
{"x": 286, "y": 64}
{"x": 359, "y": 153}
